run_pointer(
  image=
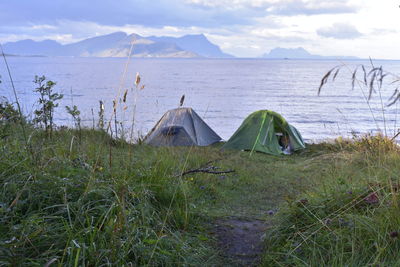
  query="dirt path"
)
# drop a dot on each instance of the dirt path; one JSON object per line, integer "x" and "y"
{"x": 240, "y": 239}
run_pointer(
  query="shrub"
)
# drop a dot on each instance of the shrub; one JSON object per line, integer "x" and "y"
{"x": 44, "y": 115}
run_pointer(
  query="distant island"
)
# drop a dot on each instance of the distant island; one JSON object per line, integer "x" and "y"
{"x": 298, "y": 53}
{"x": 118, "y": 45}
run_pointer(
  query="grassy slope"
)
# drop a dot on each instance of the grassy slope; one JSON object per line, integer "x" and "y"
{"x": 62, "y": 201}
{"x": 350, "y": 217}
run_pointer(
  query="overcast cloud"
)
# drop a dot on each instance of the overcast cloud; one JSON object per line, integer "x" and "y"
{"x": 162, "y": 12}
{"x": 245, "y": 28}
{"x": 340, "y": 31}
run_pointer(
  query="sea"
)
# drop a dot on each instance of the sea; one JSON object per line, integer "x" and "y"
{"x": 222, "y": 91}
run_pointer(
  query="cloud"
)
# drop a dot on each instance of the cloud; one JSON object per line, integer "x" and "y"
{"x": 158, "y": 13}
{"x": 282, "y": 7}
{"x": 340, "y": 31}
{"x": 289, "y": 37}
{"x": 313, "y": 7}
{"x": 383, "y": 31}
{"x": 117, "y": 13}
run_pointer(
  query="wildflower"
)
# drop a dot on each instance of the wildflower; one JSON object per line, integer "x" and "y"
{"x": 372, "y": 198}
{"x": 202, "y": 187}
{"x": 394, "y": 234}
{"x": 271, "y": 212}
{"x": 342, "y": 222}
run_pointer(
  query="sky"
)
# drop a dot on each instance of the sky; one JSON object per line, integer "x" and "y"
{"x": 244, "y": 28}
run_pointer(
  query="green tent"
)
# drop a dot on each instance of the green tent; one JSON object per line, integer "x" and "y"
{"x": 266, "y": 131}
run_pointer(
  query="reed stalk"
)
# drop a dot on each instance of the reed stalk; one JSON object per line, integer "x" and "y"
{"x": 21, "y": 116}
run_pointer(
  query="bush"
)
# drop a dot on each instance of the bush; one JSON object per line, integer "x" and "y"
{"x": 8, "y": 113}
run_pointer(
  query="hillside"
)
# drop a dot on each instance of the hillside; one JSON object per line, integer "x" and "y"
{"x": 297, "y": 53}
{"x": 198, "y": 44}
{"x": 118, "y": 45}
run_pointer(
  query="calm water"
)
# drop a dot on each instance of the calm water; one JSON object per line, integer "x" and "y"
{"x": 223, "y": 92}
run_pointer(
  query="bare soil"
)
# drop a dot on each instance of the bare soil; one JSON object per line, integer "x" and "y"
{"x": 240, "y": 240}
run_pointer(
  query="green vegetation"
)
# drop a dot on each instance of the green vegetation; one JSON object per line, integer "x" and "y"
{"x": 64, "y": 203}
{"x": 79, "y": 197}
{"x": 349, "y": 217}
{"x": 44, "y": 115}
{"x": 101, "y": 201}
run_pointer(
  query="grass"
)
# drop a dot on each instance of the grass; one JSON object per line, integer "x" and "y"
{"x": 349, "y": 217}
{"x": 92, "y": 200}
{"x": 69, "y": 205}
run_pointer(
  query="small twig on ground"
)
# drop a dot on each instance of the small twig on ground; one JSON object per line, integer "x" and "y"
{"x": 209, "y": 169}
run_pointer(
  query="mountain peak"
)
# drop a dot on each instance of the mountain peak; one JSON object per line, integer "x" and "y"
{"x": 196, "y": 43}
{"x": 197, "y": 36}
{"x": 31, "y": 47}
{"x": 115, "y": 34}
{"x": 135, "y": 35}
{"x": 280, "y": 52}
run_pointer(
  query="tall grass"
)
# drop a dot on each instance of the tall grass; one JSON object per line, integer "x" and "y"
{"x": 21, "y": 118}
{"x": 371, "y": 80}
{"x": 70, "y": 208}
{"x": 349, "y": 219}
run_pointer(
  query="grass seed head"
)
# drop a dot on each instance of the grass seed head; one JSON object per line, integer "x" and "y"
{"x": 137, "y": 80}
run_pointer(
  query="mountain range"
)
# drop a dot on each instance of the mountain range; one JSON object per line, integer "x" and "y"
{"x": 297, "y": 53}
{"x": 118, "y": 45}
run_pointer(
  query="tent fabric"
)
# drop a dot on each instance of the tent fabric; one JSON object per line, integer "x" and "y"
{"x": 261, "y": 131}
{"x": 181, "y": 127}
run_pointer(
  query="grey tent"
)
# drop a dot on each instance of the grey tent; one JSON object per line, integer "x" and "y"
{"x": 181, "y": 127}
